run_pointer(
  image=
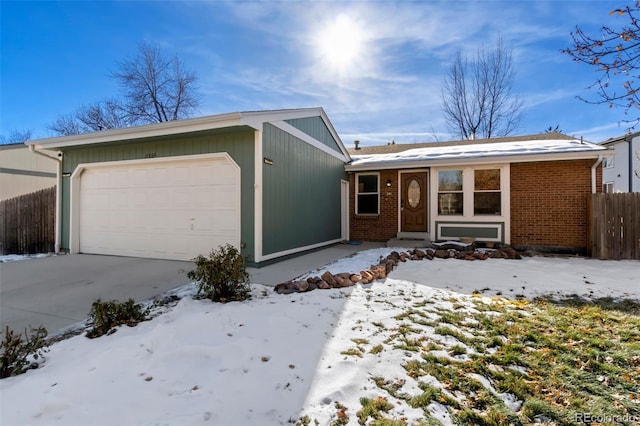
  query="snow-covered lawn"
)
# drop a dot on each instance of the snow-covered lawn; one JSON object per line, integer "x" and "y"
{"x": 277, "y": 358}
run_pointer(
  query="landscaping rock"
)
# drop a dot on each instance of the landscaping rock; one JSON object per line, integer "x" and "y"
{"x": 386, "y": 264}
{"x": 285, "y": 288}
{"x": 302, "y": 285}
{"x": 329, "y": 279}
{"x": 323, "y": 285}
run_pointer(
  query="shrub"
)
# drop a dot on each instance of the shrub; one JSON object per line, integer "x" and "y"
{"x": 16, "y": 354}
{"x": 222, "y": 276}
{"x": 106, "y": 315}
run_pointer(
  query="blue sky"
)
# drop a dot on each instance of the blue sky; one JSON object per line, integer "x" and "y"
{"x": 379, "y": 81}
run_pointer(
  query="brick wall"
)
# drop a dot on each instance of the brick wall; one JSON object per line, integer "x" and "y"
{"x": 549, "y": 203}
{"x": 384, "y": 226}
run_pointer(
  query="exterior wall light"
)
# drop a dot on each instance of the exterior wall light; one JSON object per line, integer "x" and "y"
{"x": 388, "y": 183}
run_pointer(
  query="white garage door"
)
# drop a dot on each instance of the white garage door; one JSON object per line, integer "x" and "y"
{"x": 163, "y": 210}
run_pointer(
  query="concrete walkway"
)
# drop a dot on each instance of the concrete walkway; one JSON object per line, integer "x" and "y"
{"x": 57, "y": 291}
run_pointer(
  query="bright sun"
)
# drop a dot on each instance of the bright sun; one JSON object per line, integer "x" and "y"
{"x": 341, "y": 42}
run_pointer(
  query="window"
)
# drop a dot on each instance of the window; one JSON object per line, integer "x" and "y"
{"x": 450, "y": 192}
{"x": 367, "y": 194}
{"x": 608, "y": 188}
{"x": 608, "y": 163}
{"x": 470, "y": 191}
{"x": 487, "y": 197}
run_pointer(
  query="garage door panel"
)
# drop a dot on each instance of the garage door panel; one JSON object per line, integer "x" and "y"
{"x": 119, "y": 179}
{"x": 170, "y": 210}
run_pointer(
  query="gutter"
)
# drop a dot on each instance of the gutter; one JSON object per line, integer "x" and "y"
{"x": 593, "y": 173}
{"x": 58, "y": 226}
{"x": 629, "y": 140}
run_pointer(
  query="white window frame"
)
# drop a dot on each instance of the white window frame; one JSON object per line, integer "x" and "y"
{"x": 468, "y": 191}
{"x": 487, "y": 191}
{"x": 609, "y": 163}
{"x": 357, "y": 193}
{"x": 455, "y": 169}
{"x": 606, "y": 186}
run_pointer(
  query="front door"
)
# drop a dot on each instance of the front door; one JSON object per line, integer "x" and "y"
{"x": 413, "y": 202}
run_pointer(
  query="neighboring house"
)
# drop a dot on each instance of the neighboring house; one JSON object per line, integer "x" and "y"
{"x": 271, "y": 183}
{"x": 621, "y": 173}
{"x": 23, "y": 172}
{"x": 527, "y": 191}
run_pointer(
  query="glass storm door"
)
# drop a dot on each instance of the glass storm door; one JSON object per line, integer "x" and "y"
{"x": 413, "y": 202}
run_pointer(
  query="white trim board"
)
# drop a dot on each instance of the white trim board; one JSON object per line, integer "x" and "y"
{"x": 299, "y": 249}
{"x": 286, "y": 127}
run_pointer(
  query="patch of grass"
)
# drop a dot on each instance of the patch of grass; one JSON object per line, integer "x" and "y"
{"x": 557, "y": 358}
{"x": 373, "y": 408}
{"x": 376, "y": 349}
{"x": 407, "y": 344}
{"x": 359, "y": 352}
{"x": 342, "y": 418}
{"x": 535, "y": 409}
{"x": 359, "y": 341}
{"x": 451, "y": 317}
{"x": 628, "y": 306}
{"x": 429, "y": 394}
{"x": 458, "y": 350}
{"x": 448, "y": 331}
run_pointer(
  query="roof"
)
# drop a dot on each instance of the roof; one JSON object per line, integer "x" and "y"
{"x": 399, "y": 147}
{"x": 515, "y": 150}
{"x": 12, "y": 145}
{"x": 251, "y": 119}
{"x": 624, "y": 138}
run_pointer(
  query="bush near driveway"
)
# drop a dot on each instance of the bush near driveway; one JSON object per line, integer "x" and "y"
{"x": 221, "y": 277}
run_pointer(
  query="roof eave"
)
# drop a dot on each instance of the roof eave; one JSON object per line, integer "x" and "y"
{"x": 138, "y": 132}
{"x": 520, "y": 158}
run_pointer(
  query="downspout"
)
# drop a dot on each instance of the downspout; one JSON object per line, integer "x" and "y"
{"x": 630, "y": 143}
{"x": 58, "y": 226}
{"x": 593, "y": 173}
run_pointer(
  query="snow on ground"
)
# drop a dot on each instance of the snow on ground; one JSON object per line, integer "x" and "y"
{"x": 16, "y": 257}
{"x": 272, "y": 359}
{"x": 529, "y": 277}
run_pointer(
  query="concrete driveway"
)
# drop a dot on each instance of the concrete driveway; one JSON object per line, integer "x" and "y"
{"x": 57, "y": 291}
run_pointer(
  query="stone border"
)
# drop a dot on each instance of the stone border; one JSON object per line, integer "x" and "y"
{"x": 386, "y": 265}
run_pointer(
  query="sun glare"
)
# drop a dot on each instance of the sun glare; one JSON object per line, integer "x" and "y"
{"x": 341, "y": 42}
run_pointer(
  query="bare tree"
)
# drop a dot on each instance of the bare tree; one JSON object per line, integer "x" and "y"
{"x": 477, "y": 94}
{"x": 17, "y": 136}
{"x": 103, "y": 115}
{"x": 615, "y": 54}
{"x": 66, "y": 125}
{"x": 157, "y": 88}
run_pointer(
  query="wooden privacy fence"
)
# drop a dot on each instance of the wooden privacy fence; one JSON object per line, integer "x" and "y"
{"x": 614, "y": 225}
{"x": 27, "y": 223}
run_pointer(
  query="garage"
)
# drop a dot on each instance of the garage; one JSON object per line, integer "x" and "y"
{"x": 169, "y": 208}
{"x": 271, "y": 183}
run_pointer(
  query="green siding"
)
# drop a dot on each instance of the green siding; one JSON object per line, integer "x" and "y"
{"x": 237, "y": 142}
{"x": 301, "y": 193}
{"x": 315, "y": 127}
{"x": 469, "y": 230}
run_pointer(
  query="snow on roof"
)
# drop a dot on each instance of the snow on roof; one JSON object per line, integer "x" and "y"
{"x": 475, "y": 150}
